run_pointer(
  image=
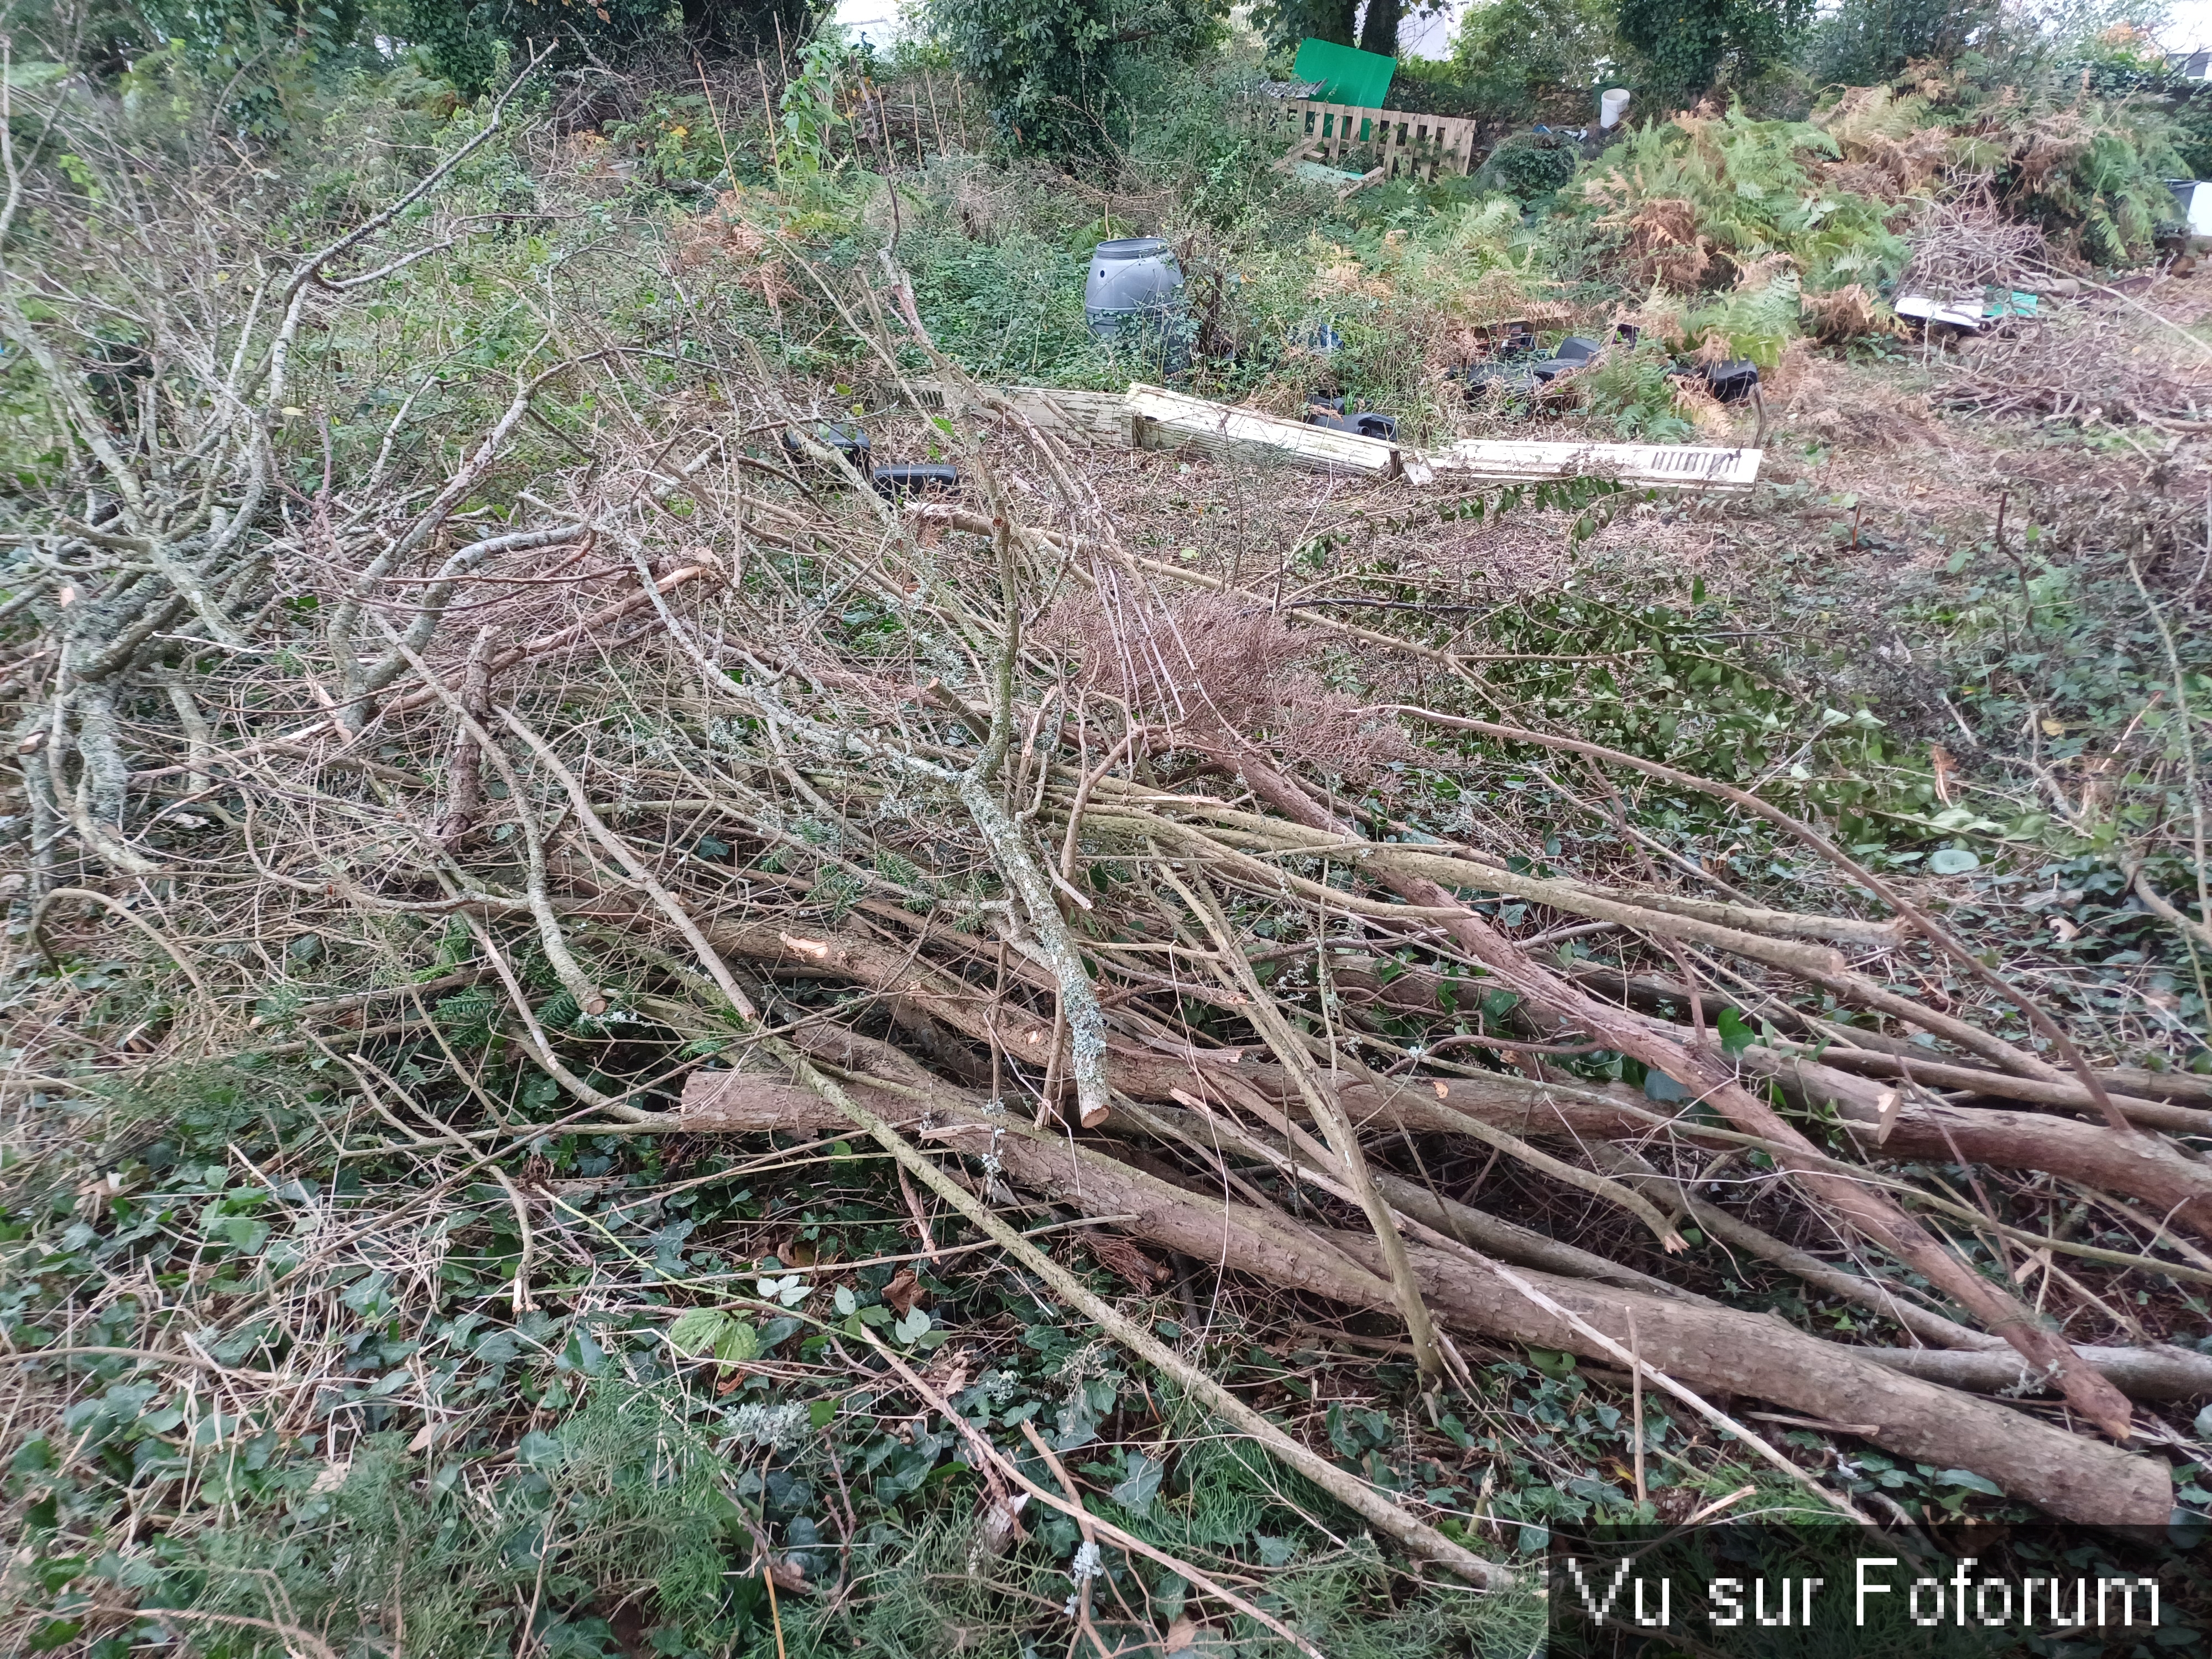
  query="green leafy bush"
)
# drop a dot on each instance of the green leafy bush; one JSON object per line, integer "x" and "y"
{"x": 1524, "y": 60}
{"x": 1529, "y": 166}
{"x": 1682, "y": 48}
{"x": 1049, "y": 67}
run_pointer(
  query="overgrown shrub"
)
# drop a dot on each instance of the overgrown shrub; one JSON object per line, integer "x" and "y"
{"x": 1703, "y": 198}
{"x": 1682, "y": 48}
{"x": 1529, "y": 166}
{"x": 1862, "y": 42}
{"x": 1526, "y": 60}
{"x": 1051, "y": 69}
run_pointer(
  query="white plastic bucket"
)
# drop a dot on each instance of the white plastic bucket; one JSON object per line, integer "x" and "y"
{"x": 1611, "y": 104}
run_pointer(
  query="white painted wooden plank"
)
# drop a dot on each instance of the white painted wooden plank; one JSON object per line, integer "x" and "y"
{"x": 1676, "y": 467}
{"x": 1084, "y": 418}
{"x": 1095, "y": 419}
{"x": 1964, "y": 315}
{"x": 1170, "y": 420}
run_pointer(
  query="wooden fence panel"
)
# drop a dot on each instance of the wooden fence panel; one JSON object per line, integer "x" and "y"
{"x": 1405, "y": 143}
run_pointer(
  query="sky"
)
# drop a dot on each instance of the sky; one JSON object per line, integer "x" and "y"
{"x": 2188, "y": 29}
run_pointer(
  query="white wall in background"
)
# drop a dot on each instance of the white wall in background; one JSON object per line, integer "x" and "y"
{"x": 2188, "y": 25}
{"x": 875, "y": 22}
{"x": 1430, "y": 36}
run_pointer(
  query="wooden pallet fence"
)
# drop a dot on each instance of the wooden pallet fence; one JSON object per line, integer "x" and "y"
{"x": 1402, "y": 143}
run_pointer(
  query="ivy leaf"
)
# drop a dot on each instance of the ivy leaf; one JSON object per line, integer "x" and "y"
{"x": 1136, "y": 1492}
{"x": 1735, "y": 1035}
{"x": 738, "y": 1344}
{"x": 911, "y": 1328}
{"x": 1970, "y": 1480}
{"x": 696, "y": 1333}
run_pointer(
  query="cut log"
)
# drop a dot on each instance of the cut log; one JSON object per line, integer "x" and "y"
{"x": 2158, "y": 1372}
{"x": 1873, "y": 1214}
{"x": 1714, "y": 1349}
{"x": 2141, "y": 1165}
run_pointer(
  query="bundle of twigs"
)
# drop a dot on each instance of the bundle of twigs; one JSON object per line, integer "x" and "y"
{"x": 2107, "y": 358}
{"x": 964, "y": 824}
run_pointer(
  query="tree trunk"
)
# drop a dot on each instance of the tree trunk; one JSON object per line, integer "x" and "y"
{"x": 1379, "y": 32}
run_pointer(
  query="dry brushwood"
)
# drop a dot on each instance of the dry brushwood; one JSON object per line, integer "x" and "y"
{"x": 2094, "y": 359}
{"x": 1052, "y": 886}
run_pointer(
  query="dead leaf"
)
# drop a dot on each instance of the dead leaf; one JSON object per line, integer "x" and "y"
{"x": 94, "y": 1196}
{"x": 1120, "y": 1257}
{"x": 903, "y": 1291}
{"x": 789, "y": 1575}
{"x": 948, "y": 1372}
{"x": 1939, "y": 757}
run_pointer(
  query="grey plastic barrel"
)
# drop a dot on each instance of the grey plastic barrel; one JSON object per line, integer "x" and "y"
{"x": 1134, "y": 278}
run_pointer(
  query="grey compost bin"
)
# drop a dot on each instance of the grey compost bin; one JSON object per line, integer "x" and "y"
{"x": 1134, "y": 278}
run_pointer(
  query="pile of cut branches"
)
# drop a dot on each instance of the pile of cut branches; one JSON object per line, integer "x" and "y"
{"x": 2108, "y": 358}
{"x": 742, "y": 799}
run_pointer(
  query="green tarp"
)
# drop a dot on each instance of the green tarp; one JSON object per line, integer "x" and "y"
{"x": 1346, "y": 74}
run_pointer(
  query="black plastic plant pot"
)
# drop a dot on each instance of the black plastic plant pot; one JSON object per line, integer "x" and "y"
{"x": 848, "y": 440}
{"x": 1577, "y": 350}
{"x": 1512, "y": 379}
{"x": 915, "y": 480}
{"x": 1732, "y": 382}
{"x": 1329, "y": 412}
{"x": 1130, "y": 280}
